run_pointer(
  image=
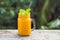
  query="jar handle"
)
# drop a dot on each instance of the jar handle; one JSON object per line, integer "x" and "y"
{"x": 34, "y": 25}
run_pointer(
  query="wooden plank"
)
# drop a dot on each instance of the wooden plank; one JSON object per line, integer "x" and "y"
{"x": 35, "y": 35}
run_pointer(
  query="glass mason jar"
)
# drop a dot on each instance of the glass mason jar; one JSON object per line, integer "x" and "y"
{"x": 24, "y": 25}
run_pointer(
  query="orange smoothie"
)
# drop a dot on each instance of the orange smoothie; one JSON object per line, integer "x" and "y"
{"x": 24, "y": 25}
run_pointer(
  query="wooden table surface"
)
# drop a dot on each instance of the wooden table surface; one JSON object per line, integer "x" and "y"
{"x": 35, "y": 35}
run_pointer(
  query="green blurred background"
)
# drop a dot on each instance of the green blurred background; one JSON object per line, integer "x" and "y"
{"x": 45, "y": 12}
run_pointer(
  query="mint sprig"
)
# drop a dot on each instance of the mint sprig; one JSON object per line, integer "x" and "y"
{"x": 24, "y": 12}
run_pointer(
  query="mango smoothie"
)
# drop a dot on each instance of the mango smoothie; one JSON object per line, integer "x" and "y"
{"x": 24, "y": 23}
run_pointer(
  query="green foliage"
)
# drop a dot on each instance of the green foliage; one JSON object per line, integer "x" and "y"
{"x": 54, "y": 24}
{"x": 43, "y": 12}
{"x": 44, "y": 27}
{"x": 9, "y": 10}
{"x": 42, "y": 9}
